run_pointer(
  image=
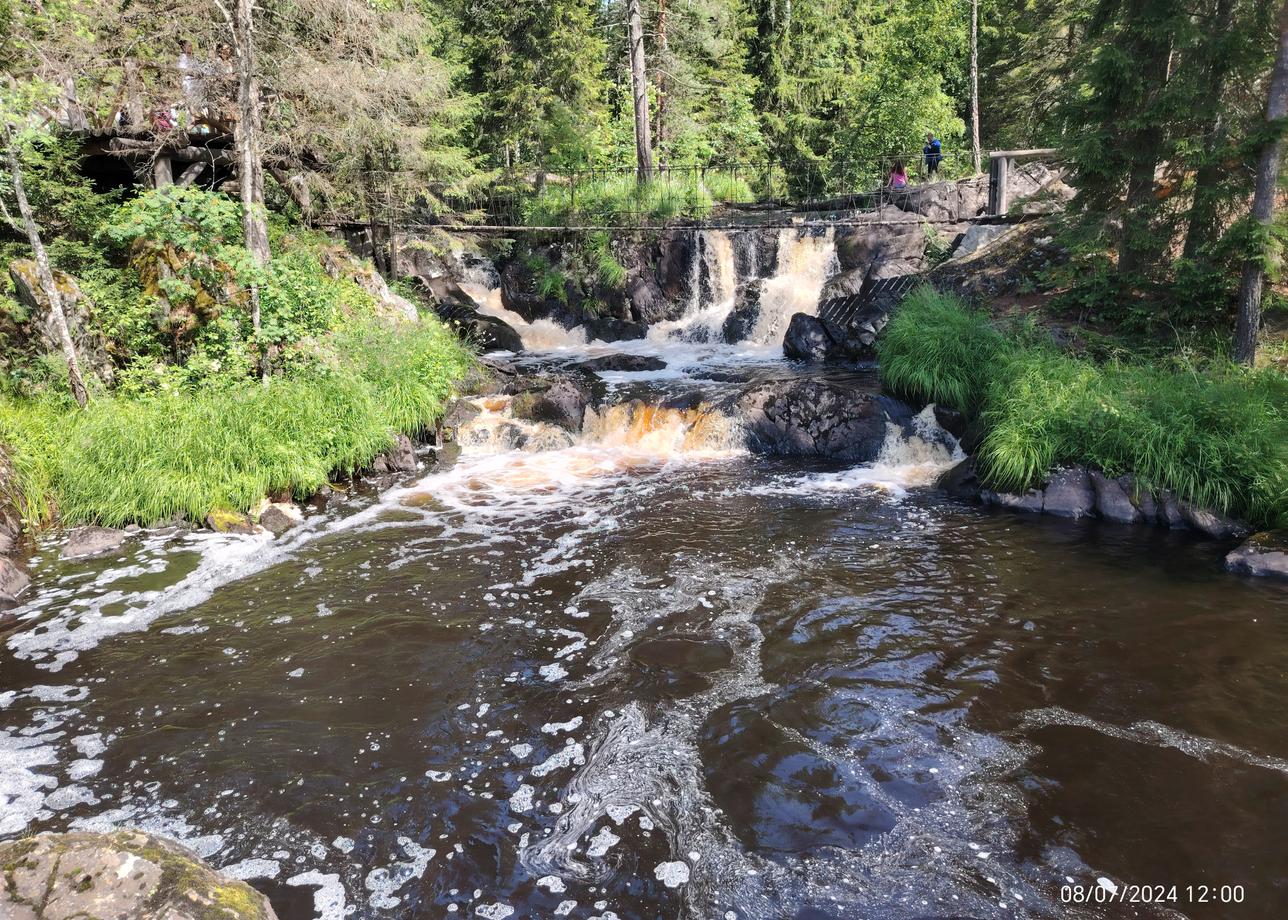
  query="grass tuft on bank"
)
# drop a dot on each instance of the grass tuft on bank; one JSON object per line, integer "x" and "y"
{"x": 1216, "y": 436}
{"x": 223, "y": 446}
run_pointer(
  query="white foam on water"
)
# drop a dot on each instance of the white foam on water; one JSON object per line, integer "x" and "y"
{"x": 329, "y": 901}
{"x": 253, "y": 868}
{"x": 1155, "y": 734}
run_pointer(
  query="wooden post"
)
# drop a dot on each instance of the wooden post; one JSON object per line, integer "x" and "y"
{"x": 1003, "y": 193}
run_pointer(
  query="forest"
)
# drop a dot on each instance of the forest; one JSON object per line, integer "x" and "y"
{"x": 612, "y": 459}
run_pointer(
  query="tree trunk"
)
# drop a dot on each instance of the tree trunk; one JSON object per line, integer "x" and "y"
{"x": 1263, "y": 206}
{"x": 974, "y": 82}
{"x": 663, "y": 62}
{"x": 250, "y": 168}
{"x": 1203, "y": 208}
{"x": 46, "y": 276}
{"x": 1153, "y": 54}
{"x": 639, "y": 90}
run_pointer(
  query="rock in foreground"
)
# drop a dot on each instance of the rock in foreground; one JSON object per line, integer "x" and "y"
{"x": 125, "y": 875}
{"x": 820, "y": 419}
{"x": 1264, "y": 554}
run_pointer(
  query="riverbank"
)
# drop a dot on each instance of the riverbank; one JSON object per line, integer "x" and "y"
{"x": 1211, "y": 435}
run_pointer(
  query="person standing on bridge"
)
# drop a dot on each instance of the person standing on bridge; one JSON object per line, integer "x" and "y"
{"x": 898, "y": 175}
{"x": 932, "y": 153}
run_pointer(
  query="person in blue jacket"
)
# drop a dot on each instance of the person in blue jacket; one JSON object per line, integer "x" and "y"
{"x": 932, "y": 153}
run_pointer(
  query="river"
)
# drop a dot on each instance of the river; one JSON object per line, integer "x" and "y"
{"x": 650, "y": 675}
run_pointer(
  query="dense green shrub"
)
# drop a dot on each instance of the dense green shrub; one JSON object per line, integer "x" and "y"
{"x": 1216, "y": 437}
{"x": 223, "y": 446}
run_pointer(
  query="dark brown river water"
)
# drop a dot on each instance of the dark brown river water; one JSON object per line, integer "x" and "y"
{"x": 640, "y": 682}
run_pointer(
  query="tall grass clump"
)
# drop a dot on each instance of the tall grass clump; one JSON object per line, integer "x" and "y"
{"x": 186, "y": 453}
{"x": 1216, "y": 437}
{"x": 617, "y": 198}
{"x": 934, "y": 350}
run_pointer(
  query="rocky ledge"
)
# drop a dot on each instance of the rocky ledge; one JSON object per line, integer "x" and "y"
{"x": 125, "y": 875}
{"x": 1079, "y": 492}
{"x": 1264, "y": 554}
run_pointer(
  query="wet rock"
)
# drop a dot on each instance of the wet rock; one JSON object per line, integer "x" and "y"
{"x": 1069, "y": 494}
{"x": 821, "y": 419}
{"x": 125, "y": 875}
{"x": 961, "y": 481}
{"x": 807, "y": 340}
{"x": 952, "y": 421}
{"x": 612, "y": 329}
{"x": 648, "y": 303}
{"x": 1213, "y": 525}
{"x": 1112, "y": 501}
{"x": 1030, "y": 502}
{"x": 1264, "y": 554}
{"x": 845, "y": 284}
{"x": 746, "y": 311}
{"x": 13, "y": 580}
{"x": 810, "y": 338}
{"x": 230, "y": 522}
{"x": 87, "y": 542}
{"x": 562, "y": 403}
{"x": 624, "y": 363}
{"x": 1169, "y": 512}
{"x": 456, "y": 308}
{"x": 401, "y": 458}
{"x": 677, "y": 250}
{"x": 279, "y": 517}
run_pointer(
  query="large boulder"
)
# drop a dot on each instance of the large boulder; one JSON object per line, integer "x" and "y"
{"x": 13, "y": 580}
{"x": 818, "y": 418}
{"x": 807, "y": 340}
{"x": 87, "y": 542}
{"x": 1213, "y": 524}
{"x": 1069, "y": 494}
{"x": 78, "y": 310}
{"x": 560, "y": 400}
{"x": 677, "y": 250}
{"x": 978, "y": 236}
{"x": 1112, "y": 501}
{"x": 1264, "y": 554}
{"x": 946, "y": 201}
{"x": 460, "y": 311}
{"x": 623, "y": 363}
{"x": 890, "y": 235}
{"x": 811, "y": 338}
{"x": 125, "y": 875}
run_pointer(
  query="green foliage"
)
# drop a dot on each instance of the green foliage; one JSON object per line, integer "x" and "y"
{"x": 224, "y": 446}
{"x": 624, "y": 199}
{"x": 1217, "y": 438}
{"x": 934, "y": 350}
{"x": 610, "y": 272}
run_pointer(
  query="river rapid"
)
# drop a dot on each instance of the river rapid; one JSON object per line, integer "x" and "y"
{"x": 643, "y": 673}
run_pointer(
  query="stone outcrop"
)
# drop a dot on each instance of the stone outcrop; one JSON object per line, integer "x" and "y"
{"x": 13, "y": 580}
{"x": 78, "y": 309}
{"x": 88, "y": 542}
{"x": 339, "y": 263}
{"x": 811, "y": 338}
{"x": 125, "y": 875}
{"x": 1077, "y": 492}
{"x": 623, "y": 362}
{"x": 459, "y": 310}
{"x": 946, "y": 201}
{"x": 819, "y": 419}
{"x": 1264, "y": 554}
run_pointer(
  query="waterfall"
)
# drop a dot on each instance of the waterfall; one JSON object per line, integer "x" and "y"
{"x": 540, "y": 335}
{"x": 713, "y": 289}
{"x": 805, "y": 261}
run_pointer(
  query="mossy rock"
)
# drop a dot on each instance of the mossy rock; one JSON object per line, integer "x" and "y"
{"x": 124, "y": 875}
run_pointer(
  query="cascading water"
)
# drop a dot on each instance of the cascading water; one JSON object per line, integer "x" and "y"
{"x": 539, "y": 335}
{"x": 805, "y": 261}
{"x": 713, "y": 292}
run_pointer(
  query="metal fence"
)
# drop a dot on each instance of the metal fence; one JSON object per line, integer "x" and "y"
{"x": 722, "y": 194}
